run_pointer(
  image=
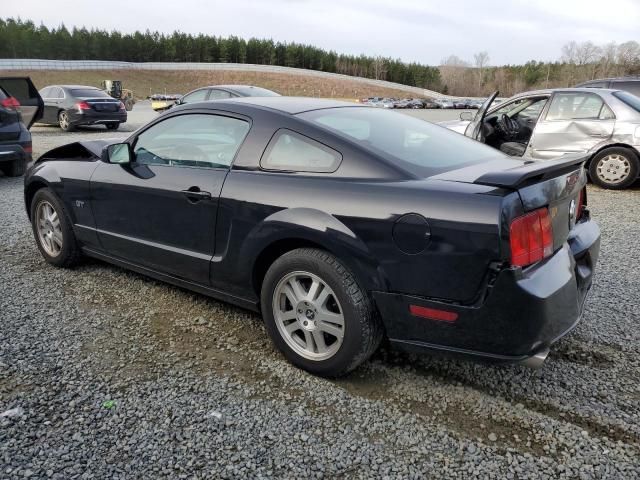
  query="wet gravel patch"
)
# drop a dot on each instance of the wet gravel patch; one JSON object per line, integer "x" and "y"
{"x": 108, "y": 374}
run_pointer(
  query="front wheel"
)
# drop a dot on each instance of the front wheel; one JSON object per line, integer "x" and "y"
{"x": 53, "y": 230}
{"x": 317, "y": 314}
{"x": 615, "y": 168}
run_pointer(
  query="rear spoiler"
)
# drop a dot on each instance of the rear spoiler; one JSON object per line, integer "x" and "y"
{"x": 532, "y": 171}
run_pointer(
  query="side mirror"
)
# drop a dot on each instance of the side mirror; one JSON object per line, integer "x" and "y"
{"x": 466, "y": 116}
{"x": 119, "y": 153}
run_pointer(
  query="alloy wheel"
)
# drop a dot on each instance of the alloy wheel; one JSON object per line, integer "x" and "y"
{"x": 308, "y": 315}
{"x": 613, "y": 168}
{"x": 64, "y": 120}
{"x": 49, "y": 229}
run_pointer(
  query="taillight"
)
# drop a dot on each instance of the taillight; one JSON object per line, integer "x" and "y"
{"x": 27, "y": 147}
{"x": 531, "y": 237}
{"x": 582, "y": 202}
{"x": 83, "y": 106}
{"x": 122, "y": 107}
{"x": 10, "y": 102}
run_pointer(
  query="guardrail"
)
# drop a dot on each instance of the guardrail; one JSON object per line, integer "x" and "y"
{"x": 32, "y": 64}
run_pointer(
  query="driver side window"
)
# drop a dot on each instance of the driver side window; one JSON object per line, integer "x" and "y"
{"x": 191, "y": 140}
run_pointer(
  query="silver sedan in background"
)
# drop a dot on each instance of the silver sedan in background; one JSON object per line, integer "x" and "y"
{"x": 545, "y": 124}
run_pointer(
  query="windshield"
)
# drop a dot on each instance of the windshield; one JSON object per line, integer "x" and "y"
{"x": 629, "y": 99}
{"x": 255, "y": 92}
{"x": 422, "y": 147}
{"x": 88, "y": 93}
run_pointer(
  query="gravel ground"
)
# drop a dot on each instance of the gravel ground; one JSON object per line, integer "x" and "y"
{"x": 109, "y": 374}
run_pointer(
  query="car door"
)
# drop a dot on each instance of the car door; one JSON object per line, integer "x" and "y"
{"x": 474, "y": 129}
{"x": 572, "y": 122}
{"x": 53, "y": 104}
{"x": 160, "y": 211}
{"x": 24, "y": 91}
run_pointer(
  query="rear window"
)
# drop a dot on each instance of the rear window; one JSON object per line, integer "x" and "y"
{"x": 629, "y": 99}
{"x": 88, "y": 93}
{"x": 421, "y": 147}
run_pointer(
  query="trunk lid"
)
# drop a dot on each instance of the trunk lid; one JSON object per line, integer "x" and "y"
{"x": 31, "y": 103}
{"x": 554, "y": 184}
{"x": 102, "y": 104}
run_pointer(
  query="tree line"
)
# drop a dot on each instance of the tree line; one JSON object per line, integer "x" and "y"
{"x": 23, "y": 39}
{"x": 579, "y": 62}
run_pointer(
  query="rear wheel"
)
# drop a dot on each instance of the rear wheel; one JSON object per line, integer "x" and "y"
{"x": 112, "y": 126}
{"x": 15, "y": 168}
{"x": 52, "y": 230}
{"x": 317, "y": 314}
{"x": 614, "y": 168}
{"x": 65, "y": 122}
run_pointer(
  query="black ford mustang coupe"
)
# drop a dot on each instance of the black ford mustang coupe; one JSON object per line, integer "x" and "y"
{"x": 342, "y": 224}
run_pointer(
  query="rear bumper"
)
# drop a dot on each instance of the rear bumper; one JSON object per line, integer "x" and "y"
{"x": 14, "y": 152}
{"x": 90, "y": 117}
{"x": 523, "y": 313}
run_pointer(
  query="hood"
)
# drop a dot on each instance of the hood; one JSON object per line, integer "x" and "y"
{"x": 87, "y": 150}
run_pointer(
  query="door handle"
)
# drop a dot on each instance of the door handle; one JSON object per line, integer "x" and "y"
{"x": 194, "y": 194}
{"x": 599, "y": 135}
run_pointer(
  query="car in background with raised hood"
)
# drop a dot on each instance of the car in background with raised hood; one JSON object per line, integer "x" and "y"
{"x": 71, "y": 106}
{"x": 20, "y": 106}
{"x": 602, "y": 125}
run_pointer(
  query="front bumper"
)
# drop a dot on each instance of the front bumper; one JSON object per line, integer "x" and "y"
{"x": 90, "y": 117}
{"x": 524, "y": 312}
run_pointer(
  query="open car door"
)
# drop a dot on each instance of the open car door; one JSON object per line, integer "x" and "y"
{"x": 25, "y": 92}
{"x": 474, "y": 129}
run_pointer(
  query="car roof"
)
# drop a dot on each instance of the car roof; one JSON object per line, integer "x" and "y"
{"x": 74, "y": 86}
{"x": 626, "y": 79}
{"x": 291, "y": 105}
{"x": 549, "y": 91}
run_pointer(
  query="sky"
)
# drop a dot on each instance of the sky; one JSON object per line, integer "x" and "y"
{"x": 426, "y": 31}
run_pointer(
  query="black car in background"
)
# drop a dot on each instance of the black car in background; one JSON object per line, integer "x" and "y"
{"x": 627, "y": 84}
{"x": 220, "y": 92}
{"x": 20, "y": 107}
{"x": 70, "y": 106}
{"x": 342, "y": 224}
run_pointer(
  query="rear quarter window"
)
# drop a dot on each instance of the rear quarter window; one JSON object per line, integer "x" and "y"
{"x": 293, "y": 152}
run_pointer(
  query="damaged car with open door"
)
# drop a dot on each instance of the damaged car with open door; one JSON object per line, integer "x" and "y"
{"x": 20, "y": 107}
{"x": 603, "y": 125}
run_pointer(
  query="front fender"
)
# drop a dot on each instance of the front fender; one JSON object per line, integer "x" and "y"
{"x": 311, "y": 226}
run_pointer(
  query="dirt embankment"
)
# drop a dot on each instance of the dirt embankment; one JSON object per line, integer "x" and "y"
{"x": 146, "y": 82}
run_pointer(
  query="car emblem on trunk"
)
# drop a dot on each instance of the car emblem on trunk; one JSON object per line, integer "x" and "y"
{"x": 572, "y": 214}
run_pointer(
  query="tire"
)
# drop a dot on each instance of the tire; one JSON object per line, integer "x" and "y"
{"x": 347, "y": 346}
{"x": 615, "y": 168}
{"x": 68, "y": 253}
{"x": 112, "y": 126}
{"x": 64, "y": 122}
{"x": 15, "y": 168}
